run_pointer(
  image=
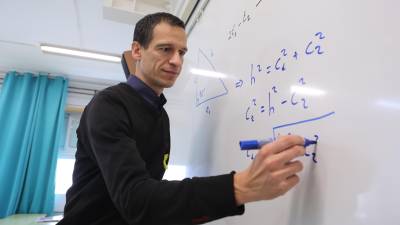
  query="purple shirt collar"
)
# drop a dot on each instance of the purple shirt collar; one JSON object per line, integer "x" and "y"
{"x": 146, "y": 92}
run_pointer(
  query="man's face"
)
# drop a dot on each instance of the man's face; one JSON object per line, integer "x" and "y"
{"x": 161, "y": 63}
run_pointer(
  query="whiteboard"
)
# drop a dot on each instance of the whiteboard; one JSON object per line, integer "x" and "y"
{"x": 321, "y": 69}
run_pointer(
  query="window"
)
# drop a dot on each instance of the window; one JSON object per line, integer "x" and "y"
{"x": 64, "y": 171}
{"x": 66, "y": 160}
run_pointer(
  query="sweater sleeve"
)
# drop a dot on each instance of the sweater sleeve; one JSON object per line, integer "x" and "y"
{"x": 139, "y": 198}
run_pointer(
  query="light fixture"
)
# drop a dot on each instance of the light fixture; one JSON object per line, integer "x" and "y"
{"x": 79, "y": 53}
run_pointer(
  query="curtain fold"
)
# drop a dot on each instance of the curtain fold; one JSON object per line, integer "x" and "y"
{"x": 32, "y": 120}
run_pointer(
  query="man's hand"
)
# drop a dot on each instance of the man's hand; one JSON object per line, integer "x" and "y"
{"x": 272, "y": 173}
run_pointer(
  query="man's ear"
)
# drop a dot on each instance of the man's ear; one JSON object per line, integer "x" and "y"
{"x": 136, "y": 51}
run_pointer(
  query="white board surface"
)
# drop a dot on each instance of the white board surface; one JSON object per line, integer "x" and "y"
{"x": 320, "y": 69}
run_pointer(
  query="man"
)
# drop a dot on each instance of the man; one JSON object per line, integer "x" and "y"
{"x": 123, "y": 144}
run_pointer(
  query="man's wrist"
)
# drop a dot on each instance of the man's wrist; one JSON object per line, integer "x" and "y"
{"x": 239, "y": 189}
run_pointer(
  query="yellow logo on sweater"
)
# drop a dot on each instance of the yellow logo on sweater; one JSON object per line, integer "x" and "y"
{"x": 165, "y": 162}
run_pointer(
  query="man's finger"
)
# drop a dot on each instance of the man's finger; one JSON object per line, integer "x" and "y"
{"x": 290, "y": 182}
{"x": 290, "y": 154}
{"x": 283, "y": 143}
{"x": 289, "y": 170}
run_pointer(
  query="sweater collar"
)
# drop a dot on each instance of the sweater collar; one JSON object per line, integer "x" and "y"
{"x": 146, "y": 92}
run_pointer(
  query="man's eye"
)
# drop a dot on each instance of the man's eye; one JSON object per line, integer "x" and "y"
{"x": 182, "y": 53}
{"x": 165, "y": 49}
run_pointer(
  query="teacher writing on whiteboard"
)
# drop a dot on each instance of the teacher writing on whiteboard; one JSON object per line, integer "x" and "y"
{"x": 124, "y": 144}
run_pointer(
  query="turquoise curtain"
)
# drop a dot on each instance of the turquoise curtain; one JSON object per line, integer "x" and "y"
{"x": 31, "y": 123}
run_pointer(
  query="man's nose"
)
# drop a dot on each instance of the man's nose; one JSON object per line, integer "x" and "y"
{"x": 176, "y": 59}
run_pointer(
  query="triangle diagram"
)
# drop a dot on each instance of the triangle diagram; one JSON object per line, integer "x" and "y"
{"x": 207, "y": 88}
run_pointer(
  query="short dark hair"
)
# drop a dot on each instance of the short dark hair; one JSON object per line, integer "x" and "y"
{"x": 145, "y": 26}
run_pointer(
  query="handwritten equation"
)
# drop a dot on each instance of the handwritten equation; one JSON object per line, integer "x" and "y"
{"x": 275, "y": 130}
{"x": 313, "y": 155}
{"x": 206, "y": 92}
{"x": 281, "y": 63}
{"x": 272, "y": 99}
{"x": 245, "y": 19}
{"x": 273, "y": 102}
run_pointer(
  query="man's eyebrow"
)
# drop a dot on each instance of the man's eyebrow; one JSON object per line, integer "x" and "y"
{"x": 163, "y": 45}
{"x": 170, "y": 45}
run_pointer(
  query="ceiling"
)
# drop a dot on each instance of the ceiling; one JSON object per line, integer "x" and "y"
{"x": 96, "y": 25}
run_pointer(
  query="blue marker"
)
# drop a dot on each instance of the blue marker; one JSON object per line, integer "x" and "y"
{"x": 257, "y": 144}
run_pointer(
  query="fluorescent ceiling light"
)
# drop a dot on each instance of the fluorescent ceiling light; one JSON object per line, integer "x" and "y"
{"x": 79, "y": 53}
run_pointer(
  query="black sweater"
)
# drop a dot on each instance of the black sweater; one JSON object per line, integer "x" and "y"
{"x": 122, "y": 142}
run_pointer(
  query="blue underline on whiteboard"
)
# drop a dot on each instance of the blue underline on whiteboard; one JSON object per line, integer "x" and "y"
{"x": 302, "y": 121}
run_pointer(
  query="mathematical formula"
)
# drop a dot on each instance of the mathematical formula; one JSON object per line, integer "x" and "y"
{"x": 281, "y": 64}
{"x": 313, "y": 155}
{"x": 272, "y": 100}
{"x": 246, "y": 17}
